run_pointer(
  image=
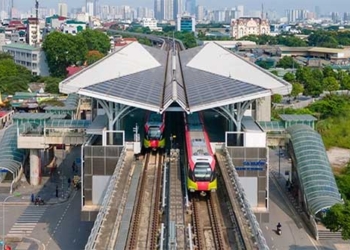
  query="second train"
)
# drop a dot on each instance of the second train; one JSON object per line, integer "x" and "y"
{"x": 201, "y": 172}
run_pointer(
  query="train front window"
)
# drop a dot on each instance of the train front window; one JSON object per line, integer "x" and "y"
{"x": 154, "y": 133}
{"x": 202, "y": 172}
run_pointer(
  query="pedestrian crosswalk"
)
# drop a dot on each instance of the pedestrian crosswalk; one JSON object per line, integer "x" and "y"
{"x": 26, "y": 223}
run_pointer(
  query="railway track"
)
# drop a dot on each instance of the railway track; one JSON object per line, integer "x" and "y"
{"x": 176, "y": 206}
{"x": 144, "y": 230}
{"x": 206, "y": 223}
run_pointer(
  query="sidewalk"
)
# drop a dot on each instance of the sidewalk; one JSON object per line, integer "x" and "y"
{"x": 47, "y": 188}
{"x": 24, "y": 243}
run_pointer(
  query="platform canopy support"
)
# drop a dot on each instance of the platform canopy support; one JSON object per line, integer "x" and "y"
{"x": 234, "y": 114}
{"x": 115, "y": 112}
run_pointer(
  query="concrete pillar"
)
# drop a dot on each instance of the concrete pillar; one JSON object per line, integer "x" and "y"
{"x": 263, "y": 109}
{"x": 35, "y": 167}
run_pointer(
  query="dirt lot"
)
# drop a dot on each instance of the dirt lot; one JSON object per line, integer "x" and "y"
{"x": 338, "y": 157}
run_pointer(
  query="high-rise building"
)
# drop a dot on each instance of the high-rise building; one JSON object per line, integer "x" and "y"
{"x": 240, "y": 11}
{"x": 317, "y": 11}
{"x": 167, "y": 7}
{"x": 62, "y": 9}
{"x": 200, "y": 12}
{"x": 90, "y": 8}
{"x": 178, "y": 7}
{"x": 158, "y": 9}
{"x": 191, "y": 6}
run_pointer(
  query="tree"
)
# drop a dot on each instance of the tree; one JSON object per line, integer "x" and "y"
{"x": 4, "y": 55}
{"x": 13, "y": 77}
{"x": 93, "y": 56}
{"x": 330, "y": 84}
{"x": 96, "y": 40}
{"x": 275, "y": 72}
{"x": 297, "y": 89}
{"x": 287, "y": 62}
{"x": 63, "y": 50}
{"x": 338, "y": 218}
{"x": 329, "y": 72}
{"x": 276, "y": 98}
{"x": 51, "y": 84}
{"x": 289, "y": 77}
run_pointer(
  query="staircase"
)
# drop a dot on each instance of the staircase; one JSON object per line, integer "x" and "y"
{"x": 325, "y": 234}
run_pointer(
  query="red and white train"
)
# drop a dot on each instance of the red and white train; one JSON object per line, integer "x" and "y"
{"x": 201, "y": 173}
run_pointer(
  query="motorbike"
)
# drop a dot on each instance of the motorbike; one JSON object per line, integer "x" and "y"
{"x": 279, "y": 231}
{"x": 39, "y": 202}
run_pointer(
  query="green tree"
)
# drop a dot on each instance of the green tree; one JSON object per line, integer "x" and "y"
{"x": 12, "y": 84}
{"x": 63, "y": 50}
{"x": 329, "y": 72}
{"x": 338, "y": 218}
{"x": 263, "y": 64}
{"x": 330, "y": 84}
{"x": 275, "y": 72}
{"x": 287, "y": 62}
{"x": 4, "y": 55}
{"x": 322, "y": 38}
{"x": 289, "y": 77}
{"x": 51, "y": 84}
{"x": 345, "y": 82}
{"x": 297, "y": 89}
{"x": 276, "y": 98}
{"x": 96, "y": 40}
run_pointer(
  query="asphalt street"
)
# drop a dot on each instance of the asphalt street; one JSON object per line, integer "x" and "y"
{"x": 60, "y": 227}
{"x": 55, "y": 226}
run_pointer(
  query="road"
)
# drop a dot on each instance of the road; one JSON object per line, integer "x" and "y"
{"x": 55, "y": 226}
{"x": 61, "y": 228}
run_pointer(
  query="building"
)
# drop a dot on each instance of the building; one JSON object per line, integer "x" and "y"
{"x": 178, "y": 7}
{"x": 33, "y": 31}
{"x": 186, "y": 23}
{"x": 62, "y": 9}
{"x": 151, "y": 23}
{"x": 191, "y": 6}
{"x": 2, "y": 40}
{"x": 239, "y": 11}
{"x": 245, "y": 26}
{"x": 200, "y": 12}
{"x": 90, "y": 8}
{"x": 73, "y": 27}
{"x": 167, "y": 9}
{"x": 33, "y": 58}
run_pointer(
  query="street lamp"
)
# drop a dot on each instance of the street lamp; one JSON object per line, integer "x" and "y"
{"x": 3, "y": 217}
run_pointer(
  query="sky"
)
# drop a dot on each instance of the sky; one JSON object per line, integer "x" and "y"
{"x": 326, "y": 6}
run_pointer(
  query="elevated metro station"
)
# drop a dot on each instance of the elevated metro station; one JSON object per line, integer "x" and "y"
{"x": 208, "y": 79}
{"x": 203, "y": 78}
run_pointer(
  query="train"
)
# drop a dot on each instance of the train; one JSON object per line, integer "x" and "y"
{"x": 154, "y": 138}
{"x": 201, "y": 172}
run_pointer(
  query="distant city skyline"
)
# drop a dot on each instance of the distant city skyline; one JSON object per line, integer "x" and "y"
{"x": 280, "y": 6}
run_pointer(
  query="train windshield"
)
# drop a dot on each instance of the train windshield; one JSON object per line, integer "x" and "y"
{"x": 202, "y": 171}
{"x": 154, "y": 133}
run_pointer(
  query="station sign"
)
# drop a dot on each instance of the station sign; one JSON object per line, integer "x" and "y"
{"x": 252, "y": 166}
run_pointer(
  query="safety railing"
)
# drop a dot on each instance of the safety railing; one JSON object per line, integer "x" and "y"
{"x": 254, "y": 224}
{"x": 90, "y": 245}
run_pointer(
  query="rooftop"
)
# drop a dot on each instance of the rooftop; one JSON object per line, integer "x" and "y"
{"x": 297, "y": 118}
{"x": 141, "y": 76}
{"x": 22, "y": 46}
{"x": 313, "y": 168}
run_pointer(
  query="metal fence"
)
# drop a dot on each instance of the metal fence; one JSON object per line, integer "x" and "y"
{"x": 254, "y": 224}
{"x": 104, "y": 207}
